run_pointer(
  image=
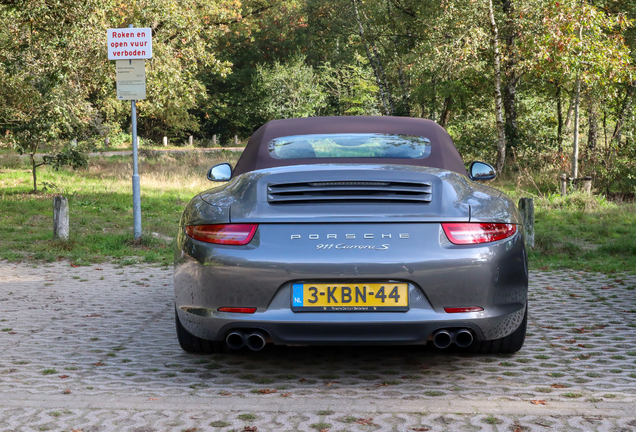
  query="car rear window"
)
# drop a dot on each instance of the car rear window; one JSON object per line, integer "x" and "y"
{"x": 348, "y": 145}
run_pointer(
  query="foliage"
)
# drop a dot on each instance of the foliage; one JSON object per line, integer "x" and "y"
{"x": 289, "y": 90}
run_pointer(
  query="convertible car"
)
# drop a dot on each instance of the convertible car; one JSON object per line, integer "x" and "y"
{"x": 351, "y": 230}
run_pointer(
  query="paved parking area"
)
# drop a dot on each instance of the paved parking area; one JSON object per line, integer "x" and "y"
{"x": 94, "y": 349}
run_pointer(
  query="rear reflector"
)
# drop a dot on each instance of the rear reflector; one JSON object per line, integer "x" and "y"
{"x": 473, "y": 233}
{"x": 230, "y": 234}
{"x": 463, "y": 309}
{"x": 237, "y": 310}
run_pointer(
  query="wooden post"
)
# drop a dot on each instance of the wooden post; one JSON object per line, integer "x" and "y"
{"x": 526, "y": 207}
{"x": 235, "y": 140}
{"x": 214, "y": 140}
{"x": 165, "y": 141}
{"x": 106, "y": 142}
{"x": 564, "y": 184}
{"x": 60, "y": 218}
{"x": 191, "y": 141}
{"x": 587, "y": 185}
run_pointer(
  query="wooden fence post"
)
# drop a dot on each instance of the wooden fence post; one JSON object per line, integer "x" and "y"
{"x": 235, "y": 140}
{"x": 587, "y": 185}
{"x": 564, "y": 184}
{"x": 165, "y": 141}
{"x": 60, "y": 218}
{"x": 214, "y": 140}
{"x": 191, "y": 141}
{"x": 526, "y": 207}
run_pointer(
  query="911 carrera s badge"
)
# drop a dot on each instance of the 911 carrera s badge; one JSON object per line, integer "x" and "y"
{"x": 346, "y": 246}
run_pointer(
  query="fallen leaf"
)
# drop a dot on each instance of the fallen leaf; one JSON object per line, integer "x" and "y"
{"x": 558, "y": 386}
{"x": 607, "y": 287}
{"x": 63, "y": 376}
{"x": 92, "y": 316}
{"x": 571, "y": 341}
{"x": 543, "y": 268}
{"x": 323, "y": 430}
{"x": 96, "y": 269}
{"x": 366, "y": 421}
{"x": 225, "y": 393}
{"x": 99, "y": 364}
{"x": 538, "y": 402}
{"x": 153, "y": 399}
{"x": 76, "y": 430}
{"x": 420, "y": 429}
{"x": 286, "y": 394}
{"x": 302, "y": 380}
{"x": 190, "y": 430}
{"x": 581, "y": 330}
{"x": 266, "y": 391}
{"x": 573, "y": 295}
{"x": 67, "y": 391}
{"x": 250, "y": 429}
{"x": 581, "y": 345}
{"x": 74, "y": 265}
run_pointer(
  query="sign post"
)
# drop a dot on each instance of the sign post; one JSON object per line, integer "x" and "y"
{"x": 130, "y": 48}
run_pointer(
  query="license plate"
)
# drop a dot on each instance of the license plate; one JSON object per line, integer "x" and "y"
{"x": 370, "y": 297}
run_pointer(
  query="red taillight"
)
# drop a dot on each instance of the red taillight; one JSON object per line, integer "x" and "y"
{"x": 231, "y": 234}
{"x": 463, "y": 309}
{"x": 473, "y": 233}
{"x": 237, "y": 310}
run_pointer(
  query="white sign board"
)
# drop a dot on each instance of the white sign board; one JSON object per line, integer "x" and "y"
{"x": 131, "y": 79}
{"x": 129, "y": 43}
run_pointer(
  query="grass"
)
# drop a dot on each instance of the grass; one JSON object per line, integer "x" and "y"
{"x": 579, "y": 231}
{"x": 100, "y": 206}
{"x": 574, "y": 232}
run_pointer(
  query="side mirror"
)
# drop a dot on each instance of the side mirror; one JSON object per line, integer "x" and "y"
{"x": 220, "y": 172}
{"x": 480, "y": 171}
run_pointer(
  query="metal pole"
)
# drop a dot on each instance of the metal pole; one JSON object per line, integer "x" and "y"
{"x": 135, "y": 178}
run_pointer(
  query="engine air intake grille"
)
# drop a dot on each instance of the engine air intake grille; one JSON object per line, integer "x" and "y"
{"x": 349, "y": 192}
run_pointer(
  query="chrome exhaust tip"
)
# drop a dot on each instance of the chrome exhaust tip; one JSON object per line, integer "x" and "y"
{"x": 256, "y": 341}
{"x": 442, "y": 339}
{"x": 463, "y": 338}
{"x": 235, "y": 340}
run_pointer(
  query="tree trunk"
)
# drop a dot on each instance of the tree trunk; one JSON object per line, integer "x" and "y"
{"x": 377, "y": 68}
{"x": 34, "y": 168}
{"x": 559, "y": 119}
{"x": 575, "y": 144}
{"x": 433, "y": 108}
{"x": 446, "y": 112}
{"x": 511, "y": 75}
{"x": 625, "y": 109}
{"x": 592, "y": 117}
{"x": 501, "y": 136}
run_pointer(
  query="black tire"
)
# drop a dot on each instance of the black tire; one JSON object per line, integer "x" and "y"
{"x": 506, "y": 345}
{"x": 192, "y": 344}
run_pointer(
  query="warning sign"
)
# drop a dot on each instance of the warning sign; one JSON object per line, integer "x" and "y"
{"x": 129, "y": 43}
{"x": 131, "y": 79}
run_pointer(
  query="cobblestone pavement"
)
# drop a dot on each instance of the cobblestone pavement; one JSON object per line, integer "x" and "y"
{"x": 94, "y": 349}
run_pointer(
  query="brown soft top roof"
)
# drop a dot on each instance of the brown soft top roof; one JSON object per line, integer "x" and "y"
{"x": 443, "y": 152}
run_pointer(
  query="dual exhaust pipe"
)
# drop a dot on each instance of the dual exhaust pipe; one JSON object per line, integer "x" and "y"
{"x": 255, "y": 340}
{"x": 463, "y": 338}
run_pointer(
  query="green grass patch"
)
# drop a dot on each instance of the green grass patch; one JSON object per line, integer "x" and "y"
{"x": 578, "y": 231}
{"x": 100, "y": 207}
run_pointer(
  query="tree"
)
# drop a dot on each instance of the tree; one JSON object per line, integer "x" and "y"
{"x": 290, "y": 90}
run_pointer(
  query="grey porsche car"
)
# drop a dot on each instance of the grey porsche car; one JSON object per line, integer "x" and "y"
{"x": 351, "y": 230}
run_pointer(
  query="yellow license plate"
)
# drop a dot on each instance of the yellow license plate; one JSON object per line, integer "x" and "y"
{"x": 355, "y": 297}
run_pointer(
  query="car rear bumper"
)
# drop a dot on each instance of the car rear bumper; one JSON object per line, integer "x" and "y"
{"x": 439, "y": 274}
